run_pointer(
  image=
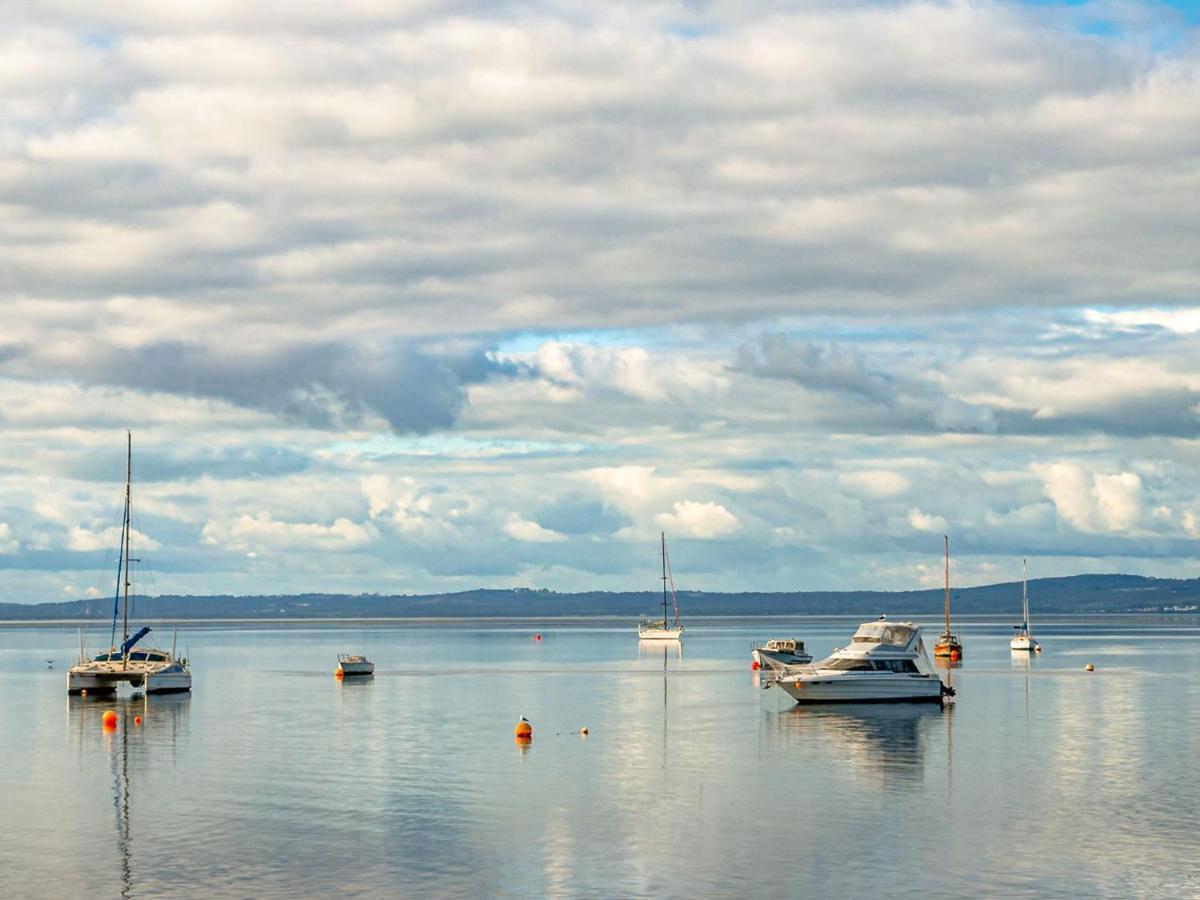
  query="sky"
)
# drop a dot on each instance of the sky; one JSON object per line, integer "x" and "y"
{"x": 403, "y": 297}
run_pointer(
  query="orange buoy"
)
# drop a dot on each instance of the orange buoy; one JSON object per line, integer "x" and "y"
{"x": 137, "y": 720}
{"x": 754, "y": 666}
{"x": 339, "y": 674}
{"x": 109, "y": 719}
{"x": 523, "y": 729}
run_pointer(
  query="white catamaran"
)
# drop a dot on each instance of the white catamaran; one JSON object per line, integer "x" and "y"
{"x": 1022, "y": 639}
{"x": 652, "y": 629}
{"x": 149, "y": 668}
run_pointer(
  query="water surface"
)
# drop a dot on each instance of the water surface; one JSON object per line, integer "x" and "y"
{"x": 272, "y": 779}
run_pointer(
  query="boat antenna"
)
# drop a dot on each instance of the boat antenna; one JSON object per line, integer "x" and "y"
{"x": 128, "y": 496}
{"x": 947, "y": 539}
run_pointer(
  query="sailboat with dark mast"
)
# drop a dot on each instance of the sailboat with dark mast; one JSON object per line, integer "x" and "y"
{"x": 948, "y": 645}
{"x": 1022, "y": 639}
{"x": 652, "y": 629}
{"x": 149, "y": 668}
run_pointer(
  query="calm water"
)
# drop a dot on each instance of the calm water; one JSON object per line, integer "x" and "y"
{"x": 273, "y": 779}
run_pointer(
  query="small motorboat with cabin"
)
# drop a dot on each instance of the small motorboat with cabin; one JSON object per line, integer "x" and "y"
{"x": 885, "y": 661}
{"x": 148, "y": 668}
{"x": 779, "y": 653}
{"x": 653, "y": 629}
{"x": 355, "y": 665}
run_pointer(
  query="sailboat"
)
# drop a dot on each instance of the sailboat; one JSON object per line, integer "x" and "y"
{"x": 149, "y": 668}
{"x": 948, "y": 645}
{"x": 652, "y": 629}
{"x": 1022, "y": 639}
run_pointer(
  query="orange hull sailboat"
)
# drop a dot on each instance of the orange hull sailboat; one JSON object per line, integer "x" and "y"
{"x": 948, "y": 645}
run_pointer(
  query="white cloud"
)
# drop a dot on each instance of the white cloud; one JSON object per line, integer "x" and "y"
{"x": 875, "y": 483}
{"x": 261, "y": 532}
{"x": 524, "y": 530}
{"x": 698, "y": 520}
{"x": 85, "y": 540}
{"x": 1092, "y": 502}
{"x": 922, "y": 521}
{"x": 8, "y": 542}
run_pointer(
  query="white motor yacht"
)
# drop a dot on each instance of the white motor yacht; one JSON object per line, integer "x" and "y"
{"x": 149, "y": 668}
{"x": 779, "y": 653}
{"x": 885, "y": 661}
{"x": 654, "y": 629}
{"x": 355, "y": 665}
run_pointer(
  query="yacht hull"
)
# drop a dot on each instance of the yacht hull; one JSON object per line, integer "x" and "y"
{"x": 845, "y": 689}
{"x": 659, "y": 634}
{"x": 347, "y": 668}
{"x": 1023, "y": 643}
{"x": 772, "y": 659}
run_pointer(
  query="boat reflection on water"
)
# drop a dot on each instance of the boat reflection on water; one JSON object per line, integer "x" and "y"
{"x": 946, "y": 663}
{"x": 888, "y": 741}
{"x": 145, "y": 727}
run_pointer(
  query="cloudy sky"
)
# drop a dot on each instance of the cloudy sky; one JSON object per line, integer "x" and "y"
{"x": 411, "y": 296}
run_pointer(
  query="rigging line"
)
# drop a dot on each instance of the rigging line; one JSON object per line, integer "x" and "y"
{"x": 671, "y": 576}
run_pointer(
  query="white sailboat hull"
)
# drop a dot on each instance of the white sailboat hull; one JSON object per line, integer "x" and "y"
{"x": 862, "y": 687}
{"x": 1023, "y": 643}
{"x": 660, "y": 634}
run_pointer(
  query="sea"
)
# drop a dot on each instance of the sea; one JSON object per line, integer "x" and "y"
{"x": 274, "y": 779}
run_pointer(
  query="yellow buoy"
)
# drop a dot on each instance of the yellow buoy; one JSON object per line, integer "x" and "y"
{"x": 523, "y": 729}
{"x": 83, "y": 693}
{"x": 584, "y": 731}
{"x": 1090, "y": 668}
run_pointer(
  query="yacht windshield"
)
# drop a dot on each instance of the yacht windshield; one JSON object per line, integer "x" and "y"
{"x": 883, "y": 633}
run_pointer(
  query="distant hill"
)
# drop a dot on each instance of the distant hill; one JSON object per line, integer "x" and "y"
{"x": 1074, "y": 594}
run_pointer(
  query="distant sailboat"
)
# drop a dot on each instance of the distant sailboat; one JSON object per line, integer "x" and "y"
{"x": 653, "y": 630}
{"x": 948, "y": 645}
{"x": 1022, "y": 639}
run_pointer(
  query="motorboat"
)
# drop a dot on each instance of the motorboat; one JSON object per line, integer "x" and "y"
{"x": 663, "y": 630}
{"x": 1022, "y": 639}
{"x": 948, "y": 645}
{"x": 151, "y": 669}
{"x": 779, "y": 653}
{"x": 885, "y": 661}
{"x": 355, "y": 665}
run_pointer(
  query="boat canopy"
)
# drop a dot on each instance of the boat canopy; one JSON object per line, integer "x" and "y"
{"x": 895, "y": 633}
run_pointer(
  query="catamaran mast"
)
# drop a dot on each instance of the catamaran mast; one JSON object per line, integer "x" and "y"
{"x": 947, "y": 537}
{"x": 125, "y": 541}
{"x": 663, "y": 534}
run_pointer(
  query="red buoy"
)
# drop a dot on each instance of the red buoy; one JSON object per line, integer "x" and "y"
{"x": 754, "y": 666}
{"x": 137, "y": 720}
{"x": 537, "y": 637}
{"x": 109, "y": 720}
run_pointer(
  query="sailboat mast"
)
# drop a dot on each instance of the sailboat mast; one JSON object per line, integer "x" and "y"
{"x": 1025, "y": 596}
{"x": 663, "y": 535}
{"x": 125, "y": 548}
{"x": 947, "y": 538}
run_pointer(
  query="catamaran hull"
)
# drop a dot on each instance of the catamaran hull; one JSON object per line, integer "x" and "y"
{"x": 912, "y": 689}
{"x": 150, "y": 682}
